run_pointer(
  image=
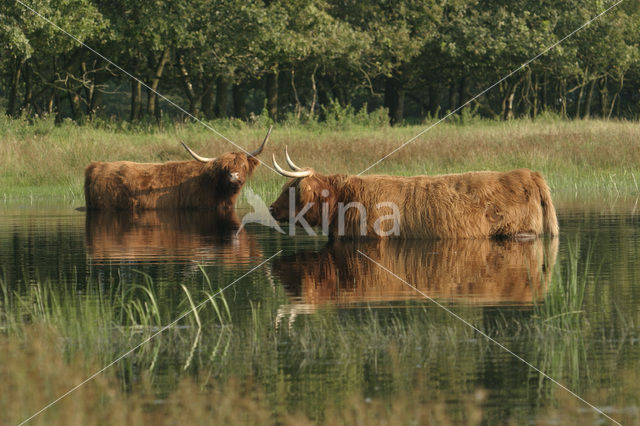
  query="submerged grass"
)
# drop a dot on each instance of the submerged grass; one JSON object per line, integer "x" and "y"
{"x": 588, "y": 158}
{"x": 34, "y": 374}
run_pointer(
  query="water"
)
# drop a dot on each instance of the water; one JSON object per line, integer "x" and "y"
{"x": 332, "y": 320}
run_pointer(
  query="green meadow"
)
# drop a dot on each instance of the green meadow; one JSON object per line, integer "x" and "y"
{"x": 579, "y": 158}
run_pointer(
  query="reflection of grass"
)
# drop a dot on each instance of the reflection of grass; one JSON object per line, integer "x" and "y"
{"x": 36, "y": 375}
{"x": 561, "y": 327}
{"x": 563, "y": 304}
{"x": 320, "y": 366}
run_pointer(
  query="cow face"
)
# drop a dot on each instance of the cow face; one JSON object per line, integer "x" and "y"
{"x": 230, "y": 171}
{"x": 313, "y": 198}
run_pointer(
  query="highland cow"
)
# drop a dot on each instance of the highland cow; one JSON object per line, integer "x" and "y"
{"x": 478, "y": 271}
{"x": 514, "y": 204}
{"x": 203, "y": 183}
{"x": 186, "y": 236}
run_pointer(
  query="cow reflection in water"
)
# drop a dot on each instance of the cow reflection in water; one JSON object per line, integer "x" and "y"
{"x": 482, "y": 271}
{"x": 168, "y": 235}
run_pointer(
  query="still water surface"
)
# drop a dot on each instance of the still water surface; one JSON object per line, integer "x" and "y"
{"x": 517, "y": 291}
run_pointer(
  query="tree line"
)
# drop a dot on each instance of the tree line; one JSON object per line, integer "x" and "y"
{"x": 235, "y": 58}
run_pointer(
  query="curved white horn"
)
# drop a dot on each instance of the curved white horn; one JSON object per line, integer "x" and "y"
{"x": 301, "y": 173}
{"x": 289, "y": 162}
{"x": 196, "y": 156}
{"x": 264, "y": 142}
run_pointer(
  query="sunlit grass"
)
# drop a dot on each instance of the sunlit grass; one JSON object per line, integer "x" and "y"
{"x": 584, "y": 158}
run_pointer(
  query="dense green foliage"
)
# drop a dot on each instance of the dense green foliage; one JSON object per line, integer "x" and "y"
{"x": 220, "y": 58}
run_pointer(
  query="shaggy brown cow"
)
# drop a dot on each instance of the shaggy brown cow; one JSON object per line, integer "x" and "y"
{"x": 479, "y": 271}
{"x": 466, "y": 205}
{"x": 207, "y": 183}
{"x": 179, "y": 235}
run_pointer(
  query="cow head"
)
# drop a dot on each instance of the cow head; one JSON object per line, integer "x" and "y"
{"x": 230, "y": 171}
{"x": 313, "y": 192}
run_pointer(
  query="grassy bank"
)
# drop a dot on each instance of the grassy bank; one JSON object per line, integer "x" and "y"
{"x": 578, "y": 158}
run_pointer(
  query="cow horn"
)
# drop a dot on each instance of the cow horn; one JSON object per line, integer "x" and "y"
{"x": 299, "y": 173}
{"x": 289, "y": 162}
{"x": 196, "y": 156}
{"x": 264, "y": 142}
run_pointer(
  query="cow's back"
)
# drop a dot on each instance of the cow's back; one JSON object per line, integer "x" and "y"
{"x": 465, "y": 205}
{"x": 128, "y": 185}
{"x": 484, "y": 204}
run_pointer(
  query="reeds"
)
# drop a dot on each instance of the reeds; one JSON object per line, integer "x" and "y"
{"x": 401, "y": 362}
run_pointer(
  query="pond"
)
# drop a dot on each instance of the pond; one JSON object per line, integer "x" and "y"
{"x": 318, "y": 324}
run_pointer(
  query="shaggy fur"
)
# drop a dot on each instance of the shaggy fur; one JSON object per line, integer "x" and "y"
{"x": 113, "y": 236}
{"x": 124, "y": 185}
{"x": 477, "y": 271}
{"x": 466, "y": 205}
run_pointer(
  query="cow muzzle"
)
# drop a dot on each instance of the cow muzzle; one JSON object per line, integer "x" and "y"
{"x": 235, "y": 180}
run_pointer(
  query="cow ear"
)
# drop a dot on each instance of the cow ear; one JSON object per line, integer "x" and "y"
{"x": 253, "y": 163}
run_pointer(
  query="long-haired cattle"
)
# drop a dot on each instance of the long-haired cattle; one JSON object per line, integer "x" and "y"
{"x": 478, "y": 271}
{"x": 203, "y": 183}
{"x": 188, "y": 236}
{"x": 466, "y": 205}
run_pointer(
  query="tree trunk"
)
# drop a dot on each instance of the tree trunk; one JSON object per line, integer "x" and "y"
{"x": 272, "y": 95}
{"x": 563, "y": 98}
{"x": 507, "y": 101}
{"x": 508, "y": 113}
{"x": 394, "y": 100}
{"x": 74, "y": 101}
{"x": 155, "y": 82}
{"x": 452, "y": 97}
{"x": 525, "y": 94}
{"x": 93, "y": 103}
{"x": 89, "y": 88}
{"x": 434, "y": 100}
{"x": 314, "y": 89}
{"x": 56, "y": 94}
{"x": 136, "y": 100}
{"x": 208, "y": 101}
{"x": 13, "y": 91}
{"x": 28, "y": 89}
{"x": 616, "y": 97}
{"x": 222, "y": 97}
{"x": 298, "y": 110}
{"x": 536, "y": 88}
{"x": 463, "y": 94}
{"x": 587, "y": 106}
{"x": 545, "y": 84}
{"x": 604, "y": 96}
{"x": 50, "y": 102}
{"x": 579, "y": 102}
{"x": 239, "y": 102}
{"x": 188, "y": 87}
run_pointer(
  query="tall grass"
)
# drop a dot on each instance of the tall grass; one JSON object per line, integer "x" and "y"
{"x": 589, "y": 158}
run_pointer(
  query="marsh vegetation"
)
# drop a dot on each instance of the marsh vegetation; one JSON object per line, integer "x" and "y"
{"x": 352, "y": 347}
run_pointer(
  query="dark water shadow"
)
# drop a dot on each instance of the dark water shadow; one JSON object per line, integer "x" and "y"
{"x": 174, "y": 236}
{"x": 484, "y": 272}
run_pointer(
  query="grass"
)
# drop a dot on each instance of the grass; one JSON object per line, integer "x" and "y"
{"x": 579, "y": 158}
{"x": 236, "y": 365}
